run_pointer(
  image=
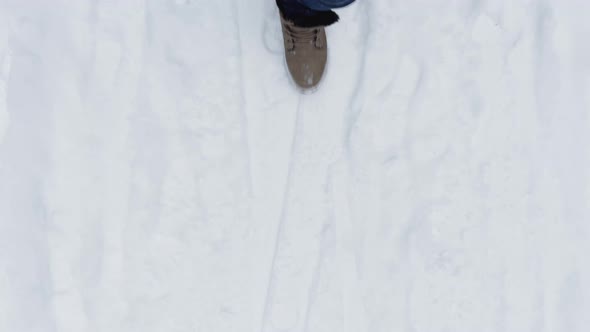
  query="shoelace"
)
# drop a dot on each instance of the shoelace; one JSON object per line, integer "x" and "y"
{"x": 303, "y": 35}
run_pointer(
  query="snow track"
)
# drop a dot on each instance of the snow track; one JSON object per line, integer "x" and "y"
{"x": 160, "y": 172}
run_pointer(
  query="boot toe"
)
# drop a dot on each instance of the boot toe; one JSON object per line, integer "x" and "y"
{"x": 306, "y": 74}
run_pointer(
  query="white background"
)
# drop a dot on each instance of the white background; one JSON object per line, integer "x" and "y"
{"x": 160, "y": 173}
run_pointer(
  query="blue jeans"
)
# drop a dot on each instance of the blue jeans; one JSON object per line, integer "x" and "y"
{"x": 325, "y": 4}
{"x": 308, "y": 13}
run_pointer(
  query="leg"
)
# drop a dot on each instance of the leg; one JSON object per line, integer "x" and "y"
{"x": 304, "y": 16}
{"x": 304, "y": 36}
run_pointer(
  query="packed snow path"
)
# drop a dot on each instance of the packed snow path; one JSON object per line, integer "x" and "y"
{"x": 159, "y": 171}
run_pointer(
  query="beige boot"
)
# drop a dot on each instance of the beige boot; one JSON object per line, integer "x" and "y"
{"x": 306, "y": 52}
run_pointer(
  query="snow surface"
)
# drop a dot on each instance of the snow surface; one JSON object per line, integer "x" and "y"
{"x": 159, "y": 172}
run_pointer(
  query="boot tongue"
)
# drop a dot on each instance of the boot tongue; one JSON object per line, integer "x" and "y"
{"x": 303, "y": 35}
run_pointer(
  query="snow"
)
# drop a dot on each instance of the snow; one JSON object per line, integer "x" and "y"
{"x": 160, "y": 172}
